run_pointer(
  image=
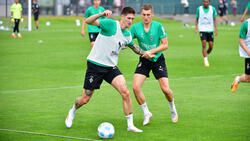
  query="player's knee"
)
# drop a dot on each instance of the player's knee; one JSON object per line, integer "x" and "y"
{"x": 136, "y": 89}
{"x": 125, "y": 93}
{"x": 166, "y": 90}
{"x": 248, "y": 78}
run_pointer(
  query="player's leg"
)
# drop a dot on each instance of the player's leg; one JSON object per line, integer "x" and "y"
{"x": 80, "y": 101}
{"x": 161, "y": 74}
{"x": 203, "y": 37}
{"x": 210, "y": 42}
{"x": 92, "y": 38}
{"x": 120, "y": 85}
{"x": 243, "y": 78}
{"x": 17, "y": 28}
{"x": 140, "y": 98}
{"x": 92, "y": 81}
{"x": 141, "y": 73}
{"x": 14, "y": 29}
{"x": 92, "y": 44}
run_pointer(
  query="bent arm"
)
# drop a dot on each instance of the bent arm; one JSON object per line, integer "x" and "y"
{"x": 92, "y": 20}
{"x": 162, "y": 47}
{"x": 136, "y": 49}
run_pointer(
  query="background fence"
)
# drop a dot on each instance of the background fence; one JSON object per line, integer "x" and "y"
{"x": 78, "y": 7}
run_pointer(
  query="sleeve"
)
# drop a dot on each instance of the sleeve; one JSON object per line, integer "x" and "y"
{"x": 106, "y": 25}
{"x": 198, "y": 12}
{"x": 21, "y": 7}
{"x": 86, "y": 15}
{"x": 132, "y": 31}
{"x": 12, "y": 9}
{"x": 243, "y": 30}
{"x": 162, "y": 32}
{"x": 214, "y": 12}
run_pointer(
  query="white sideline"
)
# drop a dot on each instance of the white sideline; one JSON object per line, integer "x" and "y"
{"x": 51, "y": 135}
{"x": 130, "y": 82}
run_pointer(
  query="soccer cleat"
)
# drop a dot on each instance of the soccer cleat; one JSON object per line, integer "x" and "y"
{"x": 206, "y": 63}
{"x": 147, "y": 118}
{"x": 69, "y": 119}
{"x": 174, "y": 116}
{"x": 19, "y": 36}
{"x": 13, "y": 36}
{"x": 134, "y": 129}
{"x": 235, "y": 84}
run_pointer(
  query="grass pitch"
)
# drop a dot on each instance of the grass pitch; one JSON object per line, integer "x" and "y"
{"x": 42, "y": 74}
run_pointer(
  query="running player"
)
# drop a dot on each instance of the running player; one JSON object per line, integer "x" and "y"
{"x": 16, "y": 12}
{"x": 152, "y": 39}
{"x": 206, "y": 23}
{"x": 35, "y": 10}
{"x": 103, "y": 59}
{"x": 93, "y": 30}
{"x": 244, "y": 49}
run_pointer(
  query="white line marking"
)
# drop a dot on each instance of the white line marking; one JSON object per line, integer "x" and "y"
{"x": 130, "y": 82}
{"x": 51, "y": 135}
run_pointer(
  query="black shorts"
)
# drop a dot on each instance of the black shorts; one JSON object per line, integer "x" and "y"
{"x": 36, "y": 15}
{"x": 93, "y": 36}
{"x": 95, "y": 75}
{"x": 222, "y": 12}
{"x": 158, "y": 68}
{"x": 247, "y": 66}
{"x": 207, "y": 36}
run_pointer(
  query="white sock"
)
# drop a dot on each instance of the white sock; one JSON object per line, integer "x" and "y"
{"x": 172, "y": 106}
{"x": 73, "y": 109}
{"x": 238, "y": 79}
{"x": 18, "y": 34}
{"x": 13, "y": 33}
{"x": 205, "y": 59}
{"x": 144, "y": 107}
{"x": 130, "y": 120}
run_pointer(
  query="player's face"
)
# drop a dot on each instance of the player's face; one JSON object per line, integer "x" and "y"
{"x": 147, "y": 16}
{"x": 16, "y": 1}
{"x": 127, "y": 20}
{"x": 206, "y": 3}
{"x": 97, "y": 2}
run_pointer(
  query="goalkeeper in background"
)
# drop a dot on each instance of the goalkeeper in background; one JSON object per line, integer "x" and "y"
{"x": 16, "y": 12}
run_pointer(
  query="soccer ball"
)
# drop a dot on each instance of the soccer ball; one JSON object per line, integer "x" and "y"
{"x": 47, "y": 23}
{"x": 106, "y": 130}
{"x": 232, "y": 24}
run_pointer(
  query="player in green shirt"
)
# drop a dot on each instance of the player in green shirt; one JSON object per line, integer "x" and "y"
{"x": 244, "y": 50}
{"x": 93, "y": 30}
{"x": 205, "y": 23}
{"x": 152, "y": 39}
{"x": 16, "y": 12}
{"x": 245, "y": 13}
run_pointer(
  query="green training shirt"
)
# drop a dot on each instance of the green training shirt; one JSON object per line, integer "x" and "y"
{"x": 16, "y": 9}
{"x": 205, "y": 10}
{"x": 248, "y": 6}
{"x": 151, "y": 39}
{"x": 92, "y": 11}
{"x": 243, "y": 30}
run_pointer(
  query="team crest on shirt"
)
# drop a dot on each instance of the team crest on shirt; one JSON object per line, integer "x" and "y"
{"x": 151, "y": 38}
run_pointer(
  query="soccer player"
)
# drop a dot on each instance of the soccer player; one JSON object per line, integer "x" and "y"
{"x": 206, "y": 23}
{"x": 16, "y": 12}
{"x": 244, "y": 49}
{"x": 245, "y": 13}
{"x": 102, "y": 61}
{"x": 93, "y": 30}
{"x": 152, "y": 39}
{"x": 35, "y": 10}
{"x": 222, "y": 9}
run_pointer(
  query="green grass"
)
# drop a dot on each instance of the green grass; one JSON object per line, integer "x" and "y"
{"x": 40, "y": 81}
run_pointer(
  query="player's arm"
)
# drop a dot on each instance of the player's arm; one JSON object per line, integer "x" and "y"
{"x": 162, "y": 47}
{"x": 215, "y": 27}
{"x": 83, "y": 23}
{"x": 244, "y": 15}
{"x": 139, "y": 51}
{"x": 93, "y": 20}
{"x": 243, "y": 46}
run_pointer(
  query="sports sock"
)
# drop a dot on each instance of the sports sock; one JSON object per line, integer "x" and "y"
{"x": 13, "y": 33}
{"x": 130, "y": 120}
{"x": 172, "y": 106}
{"x": 205, "y": 59}
{"x": 74, "y": 109}
{"x": 238, "y": 79}
{"x": 144, "y": 107}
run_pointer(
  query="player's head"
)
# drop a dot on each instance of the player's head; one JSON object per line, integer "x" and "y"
{"x": 97, "y": 2}
{"x": 206, "y": 3}
{"x": 127, "y": 16}
{"x": 35, "y": 1}
{"x": 147, "y": 13}
{"x": 16, "y": 1}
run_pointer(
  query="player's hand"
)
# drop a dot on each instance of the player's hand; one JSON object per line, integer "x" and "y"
{"x": 215, "y": 32}
{"x": 242, "y": 20}
{"x": 22, "y": 19}
{"x": 12, "y": 20}
{"x": 248, "y": 52}
{"x": 107, "y": 13}
{"x": 196, "y": 30}
{"x": 83, "y": 33}
{"x": 148, "y": 54}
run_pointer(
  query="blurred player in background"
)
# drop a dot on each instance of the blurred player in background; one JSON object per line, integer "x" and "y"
{"x": 93, "y": 30}
{"x": 245, "y": 13}
{"x": 35, "y": 11}
{"x": 16, "y": 12}
{"x": 152, "y": 39}
{"x": 206, "y": 24}
{"x": 244, "y": 49}
{"x": 222, "y": 10}
{"x": 102, "y": 62}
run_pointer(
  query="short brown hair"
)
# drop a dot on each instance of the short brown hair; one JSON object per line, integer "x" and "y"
{"x": 127, "y": 10}
{"x": 147, "y": 7}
